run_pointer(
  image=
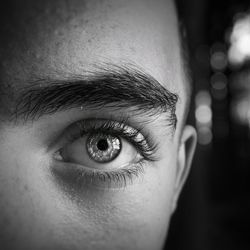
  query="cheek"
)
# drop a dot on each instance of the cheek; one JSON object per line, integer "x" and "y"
{"x": 24, "y": 193}
{"x": 136, "y": 217}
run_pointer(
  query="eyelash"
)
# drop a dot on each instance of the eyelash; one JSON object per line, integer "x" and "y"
{"x": 120, "y": 177}
{"x": 145, "y": 146}
{"x": 112, "y": 179}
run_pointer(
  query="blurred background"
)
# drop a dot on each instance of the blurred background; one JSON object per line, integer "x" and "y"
{"x": 214, "y": 208}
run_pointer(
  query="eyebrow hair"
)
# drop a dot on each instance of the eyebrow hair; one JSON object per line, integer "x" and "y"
{"x": 118, "y": 87}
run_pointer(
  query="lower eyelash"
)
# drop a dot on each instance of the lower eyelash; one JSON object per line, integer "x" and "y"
{"x": 119, "y": 178}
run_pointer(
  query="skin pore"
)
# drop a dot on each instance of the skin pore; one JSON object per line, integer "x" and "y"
{"x": 52, "y": 194}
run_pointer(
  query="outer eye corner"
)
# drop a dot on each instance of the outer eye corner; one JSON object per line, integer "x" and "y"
{"x": 57, "y": 155}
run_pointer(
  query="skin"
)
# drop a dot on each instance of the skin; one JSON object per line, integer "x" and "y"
{"x": 41, "y": 211}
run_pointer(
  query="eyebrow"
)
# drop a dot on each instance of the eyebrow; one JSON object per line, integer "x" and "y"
{"x": 118, "y": 87}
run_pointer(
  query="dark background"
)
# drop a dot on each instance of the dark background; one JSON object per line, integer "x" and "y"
{"x": 214, "y": 208}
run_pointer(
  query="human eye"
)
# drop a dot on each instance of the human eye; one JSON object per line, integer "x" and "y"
{"x": 103, "y": 153}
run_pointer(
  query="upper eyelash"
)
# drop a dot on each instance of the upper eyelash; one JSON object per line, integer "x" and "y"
{"x": 145, "y": 146}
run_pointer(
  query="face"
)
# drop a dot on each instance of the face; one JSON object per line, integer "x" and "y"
{"x": 93, "y": 151}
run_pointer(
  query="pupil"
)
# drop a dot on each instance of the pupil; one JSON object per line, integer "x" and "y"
{"x": 102, "y": 145}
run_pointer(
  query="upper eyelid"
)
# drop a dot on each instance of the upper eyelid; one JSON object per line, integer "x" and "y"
{"x": 113, "y": 126}
{"x": 69, "y": 132}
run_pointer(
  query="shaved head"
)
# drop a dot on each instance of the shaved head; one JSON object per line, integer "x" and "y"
{"x": 94, "y": 147}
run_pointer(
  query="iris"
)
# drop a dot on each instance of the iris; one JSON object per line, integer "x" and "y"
{"x": 103, "y": 148}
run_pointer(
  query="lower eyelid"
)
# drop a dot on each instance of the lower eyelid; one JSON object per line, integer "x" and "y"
{"x": 77, "y": 176}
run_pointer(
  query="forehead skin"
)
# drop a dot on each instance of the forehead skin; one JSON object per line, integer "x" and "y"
{"x": 70, "y": 37}
{"x": 58, "y": 39}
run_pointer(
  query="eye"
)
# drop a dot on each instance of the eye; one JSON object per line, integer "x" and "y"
{"x": 98, "y": 151}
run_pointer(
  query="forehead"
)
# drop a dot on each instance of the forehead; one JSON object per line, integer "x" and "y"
{"x": 68, "y": 37}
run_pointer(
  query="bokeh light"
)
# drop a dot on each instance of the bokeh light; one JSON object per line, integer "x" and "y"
{"x": 204, "y": 135}
{"x": 203, "y": 117}
{"x": 239, "y": 50}
{"x": 203, "y": 114}
{"x": 219, "y": 86}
